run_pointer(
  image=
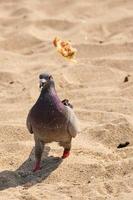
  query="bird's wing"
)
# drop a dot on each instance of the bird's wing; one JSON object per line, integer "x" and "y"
{"x": 28, "y": 123}
{"x": 73, "y": 125}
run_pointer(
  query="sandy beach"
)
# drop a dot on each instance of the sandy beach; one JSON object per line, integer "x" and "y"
{"x": 102, "y": 33}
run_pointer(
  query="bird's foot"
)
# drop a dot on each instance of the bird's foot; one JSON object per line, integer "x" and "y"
{"x": 66, "y": 153}
{"x": 37, "y": 166}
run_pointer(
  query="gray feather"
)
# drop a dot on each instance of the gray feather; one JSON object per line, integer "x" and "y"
{"x": 28, "y": 124}
{"x": 73, "y": 125}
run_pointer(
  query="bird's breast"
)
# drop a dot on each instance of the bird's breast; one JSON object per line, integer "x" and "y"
{"x": 48, "y": 116}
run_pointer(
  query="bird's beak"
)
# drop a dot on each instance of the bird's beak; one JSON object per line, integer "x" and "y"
{"x": 42, "y": 82}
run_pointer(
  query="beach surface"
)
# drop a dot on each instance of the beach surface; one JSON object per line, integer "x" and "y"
{"x": 102, "y": 33}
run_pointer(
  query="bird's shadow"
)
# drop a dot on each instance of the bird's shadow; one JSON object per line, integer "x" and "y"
{"x": 25, "y": 176}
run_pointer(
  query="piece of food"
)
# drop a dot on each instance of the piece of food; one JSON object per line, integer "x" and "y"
{"x": 64, "y": 48}
{"x": 122, "y": 145}
{"x": 126, "y": 79}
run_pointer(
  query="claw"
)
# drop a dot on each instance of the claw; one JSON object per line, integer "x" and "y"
{"x": 66, "y": 153}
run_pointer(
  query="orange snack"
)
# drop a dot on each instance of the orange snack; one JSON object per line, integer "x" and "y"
{"x": 64, "y": 48}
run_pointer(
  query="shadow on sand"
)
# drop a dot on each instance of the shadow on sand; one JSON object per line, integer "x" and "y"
{"x": 24, "y": 175}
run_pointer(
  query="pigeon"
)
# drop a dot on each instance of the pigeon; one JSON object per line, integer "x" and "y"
{"x": 50, "y": 120}
{"x": 66, "y": 103}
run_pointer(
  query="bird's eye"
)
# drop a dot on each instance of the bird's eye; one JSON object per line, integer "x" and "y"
{"x": 50, "y": 77}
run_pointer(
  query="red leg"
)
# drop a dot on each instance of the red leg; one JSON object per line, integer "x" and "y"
{"x": 37, "y": 166}
{"x": 66, "y": 153}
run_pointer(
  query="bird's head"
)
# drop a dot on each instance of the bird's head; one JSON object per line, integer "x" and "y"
{"x": 46, "y": 81}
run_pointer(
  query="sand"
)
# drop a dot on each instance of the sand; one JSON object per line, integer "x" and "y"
{"x": 102, "y": 33}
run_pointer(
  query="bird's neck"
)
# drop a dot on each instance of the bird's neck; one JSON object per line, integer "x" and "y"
{"x": 50, "y": 96}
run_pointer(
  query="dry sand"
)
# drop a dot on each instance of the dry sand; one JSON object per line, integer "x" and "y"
{"x": 102, "y": 32}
